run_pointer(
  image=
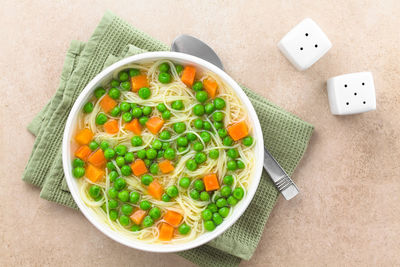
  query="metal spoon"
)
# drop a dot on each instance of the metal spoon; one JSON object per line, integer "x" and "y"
{"x": 195, "y": 47}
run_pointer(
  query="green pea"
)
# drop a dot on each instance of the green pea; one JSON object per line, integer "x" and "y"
{"x": 177, "y": 105}
{"x": 143, "y": 120}
{"x": 144, "y": 93}
{"x": 136, "y": 141}
{"x": 137, "y": 112}
{"x": 209, "y": 108}
{"x": 198, "y": 124}
{"x": 226, "y": 191}
{"x": 113, "y": 176}
{"x": 78, "y": 172}
{"x": 161, "y": 107}
{"x": 182, "y": 141}
{"x": 221, "y": 202}
{"x": 194, "y": 194}
{"x": 114, "y": 93}
{"x": 114, "y": 83}
{"x": 126, "y": 86}
{"x": 165, "y": 135}
{"x": 163, "y": 67}
{"x": 121, "y": 150}
{"x": 157, "y": 144}
{"x": 227, "y": 141}
{"x": 160, "y": 154}
{"x": 248, "y": 141}
{"x": 169, "y": 153}
{"x": 231, "y": 165}
{"x": 135, "y": 228}
{"x": 104, "y": 145}
{"x": 112, "y": 192}
{"x": 232, "y": 201}
{"x": 110, "y": 166}
{"x": 145, "y": 205}
{"x": 179, "y": 69}
{"x": 224, "y": 212}
{"x": 172, "y": 191}
{"x": 213, "y": 154}
{"x": 207, "y": 126}
{"x": 198, "y": 146}
{"x": 141, "y": 154}
{"x": 209, "y": 226}
{"x": 134, "y": 72}
{"x": 123, "y": 196}
{"x": 222, "y": 133}
{"x": 151, "y": 153}
{"x": 204, "y": 196}
{"x": 198, "y": 110}
{"x": 217, "y": 219}
{"x": 78, "y": 163}
{"x": 147, "y": 179}
{"x": 165, "y": 145}
{"x": 120, "y": 161}
{"x": 183, "y": 150}
{"x": 101, "y": 118}
{"x": 155, "y": 213}
{"x": 125, "y": 106}
{"x": 197, "y": 86}
{"x": 112, "y": 204}
{"x": 147, "y": 221}
{"x": 113, "y": 214}
{"x": 88, "y": 107}
{"x": 109, "y": 153}
{"x": 134, "y": 197}
{"x": 201, "y": 96}
{"x": 154, "y": 169}
{"x": 133, "y": 105}
{"x": 129, "y": 157}
{"x": 212, "y": 207}
{"x": 164, "y": 77}
{"x": 165, "y": 198}
{"x": 219, "y": 103}
{"x": 124, "y": 220}
{"x": 191, "y": 136}
{"x": 179, "y": 127}
{"x": 147, "y": 110}
{"x": 191, "y": 165}
{"x": 99, "y": 92}
{"x": 200, "y": 157}
{"x": 205, "y": 136}
{"x": 127, "y": 209}
{"x": 126, "y": 170}
{"x": 184, "y": 182}
{"x": 240, "y": 164}
{"x": 166, "y": 115}
{"x": 232, "y": 153}
{"x": 127, "y": 117}
{"x": 228, "y": 180}
{"x": 184, "y": 229}
{"x": 218, "y": 125}
{"x": 120, "y": 184}
{"x": 238, "y": 193}
{"x": 123, "y": 76}
{"x": 218, "y": 116}
{"x": 115, "y": 112}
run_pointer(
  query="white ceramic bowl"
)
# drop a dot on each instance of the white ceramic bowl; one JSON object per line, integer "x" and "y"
{"x": 70, "y": 129}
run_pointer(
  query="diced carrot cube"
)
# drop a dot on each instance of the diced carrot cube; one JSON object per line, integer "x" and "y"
{"x": 107, "y": 103}
{"x": 139, "y": 81}
{"x": 211, "y": 87}
{"x": 134, "y": 126}
{"x": 111, "y": 127}
{"x": 138, "y": 167}
{"x": 97, "y": 158}
{"x": 188, "y": 75}
{"x": 138, "y": 216}
{"x": 93, "y": 173}
{"x": 154, "y": 124}
{"x": 173, "y": 218}
{"x": 83, "y": 152}
{"x": 166, "y": 166}
{"x": 84, "y": 136}
{"x": 211, "y": 182}
{"x": 166, "y": 232}
{"x": 238, "y": 130}
{"x": 155, "y": 190}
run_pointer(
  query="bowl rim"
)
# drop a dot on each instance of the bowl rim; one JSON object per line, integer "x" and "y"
{"x": 140, "y": 245}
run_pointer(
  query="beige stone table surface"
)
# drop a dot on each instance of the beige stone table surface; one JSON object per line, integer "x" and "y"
{"x": 348, "y": 212}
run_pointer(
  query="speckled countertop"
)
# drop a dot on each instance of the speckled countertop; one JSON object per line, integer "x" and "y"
{"x": 348, "y": 212}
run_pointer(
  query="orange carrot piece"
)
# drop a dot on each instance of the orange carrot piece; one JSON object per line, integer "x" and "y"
{"x": 238, "y": 130}
{"x": 155, "y": 190}
{"x": 166, "y": 232}
{"x": 154, "y": 124}
{"x": 138, "y": 82}
{"x": 138, "y": 167}
{"x": 138, "y": 216}
{"x": 107, "y": 103}
{"x": 93, "y": 173}
{"x": 211, "y": 87}
{"x": 134, "y": 126}
{"x": 173, "y": 218}
{"x": 111, "y": 127}
{"x": 188, "y": 74}
{"x": 97, "y": 158}
{"x": 211, "y": 182}
{"x": 83, "y": 152}
{"x": 166, "y": 166}
{"x": 84, "y": 136}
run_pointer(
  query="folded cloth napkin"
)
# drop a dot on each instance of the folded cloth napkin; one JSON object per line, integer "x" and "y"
{"x": 285, "y": 135}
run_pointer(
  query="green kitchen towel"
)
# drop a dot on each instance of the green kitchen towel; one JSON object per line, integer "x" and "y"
{"x": 285, "y": 135}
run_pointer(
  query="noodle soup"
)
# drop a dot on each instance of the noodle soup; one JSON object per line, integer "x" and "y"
{"x": 163, "y": 152}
